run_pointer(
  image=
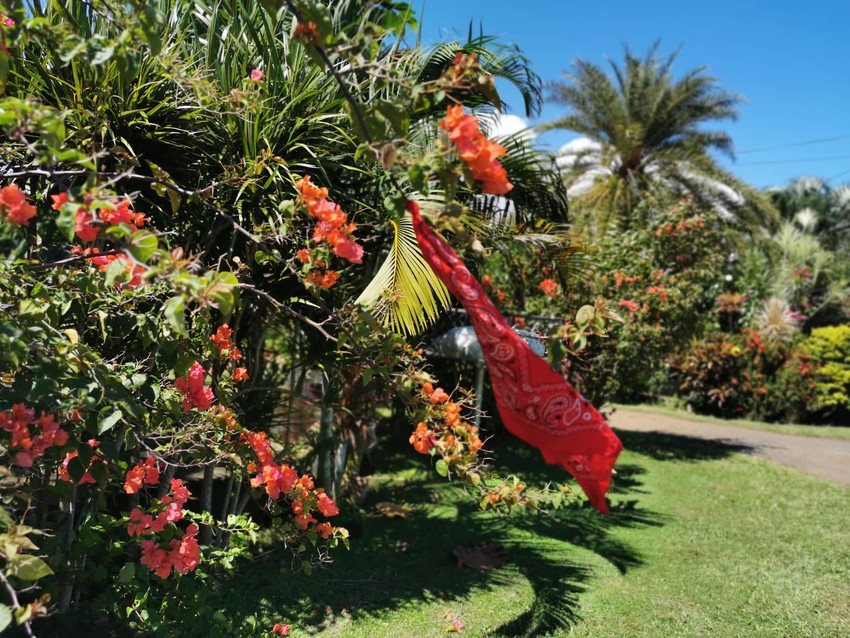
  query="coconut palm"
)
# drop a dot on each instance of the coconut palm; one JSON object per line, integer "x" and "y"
{"x": 644, "y": 138}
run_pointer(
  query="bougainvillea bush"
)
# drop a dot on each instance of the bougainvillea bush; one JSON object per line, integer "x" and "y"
{"x": 192, "y": 196}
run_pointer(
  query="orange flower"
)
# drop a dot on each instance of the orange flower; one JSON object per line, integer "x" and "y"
{"x": 439, "y": 396}
{"x": 240, "y": 374}
{"x": 549, "y": 287}
{"x": 332, "y": 225}
{"x": 59, "y": 200}
{"x": 14, "y": 206}
{"x": 479, "y": 153}
{"x": 427, "y": 389}
{"x": 145, "y": 472}
{"x": 422, "y": 438}
{"x": 324, "y": 280}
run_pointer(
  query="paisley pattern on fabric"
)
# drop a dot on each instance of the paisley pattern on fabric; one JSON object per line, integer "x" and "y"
{"x": 536, "y": 403}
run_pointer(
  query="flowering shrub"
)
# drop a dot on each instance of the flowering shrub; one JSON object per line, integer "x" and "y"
{"x": 176, "y": 259}
{"x": 743, "y": 375}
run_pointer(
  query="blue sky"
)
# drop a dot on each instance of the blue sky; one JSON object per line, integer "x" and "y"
{"x": 790, "y": 60}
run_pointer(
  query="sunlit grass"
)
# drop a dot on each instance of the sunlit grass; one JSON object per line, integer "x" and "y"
{"x": 701, "y": 542}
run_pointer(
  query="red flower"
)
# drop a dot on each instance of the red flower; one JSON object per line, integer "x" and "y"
{"x": 14, "y": 206}
{"x": 83, "y": 226}
{"x": 279, "y": 628}
{"x": 257, "y": 75}
{"x": 240, "y": 374}
{"x": 195, "y": 395}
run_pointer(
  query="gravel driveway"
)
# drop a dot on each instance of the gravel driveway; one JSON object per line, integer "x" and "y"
{"x": 825, "y": 458}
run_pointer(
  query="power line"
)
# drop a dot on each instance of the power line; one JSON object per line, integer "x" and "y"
{"x": 794, "y": 161}
{"x": 837, "y": 175}
{"x": 795, "y": 144}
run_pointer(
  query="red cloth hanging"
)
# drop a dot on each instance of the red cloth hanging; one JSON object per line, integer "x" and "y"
{"x": 536, "y": 403}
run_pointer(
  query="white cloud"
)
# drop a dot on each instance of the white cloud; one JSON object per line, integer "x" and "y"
{"x": 504, "y": 124}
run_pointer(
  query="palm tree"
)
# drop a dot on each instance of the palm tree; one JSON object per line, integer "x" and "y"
{"x": 644, "y": 140}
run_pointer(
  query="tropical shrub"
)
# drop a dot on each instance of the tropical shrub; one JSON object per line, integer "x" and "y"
{"x": 829, "y": 347}
{"x": 662, "y": 280}
{"x": 745, "y": 375}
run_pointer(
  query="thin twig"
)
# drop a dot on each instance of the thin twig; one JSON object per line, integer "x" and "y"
{"x": 290, "y": 310}
{"x": 15, "y": 604}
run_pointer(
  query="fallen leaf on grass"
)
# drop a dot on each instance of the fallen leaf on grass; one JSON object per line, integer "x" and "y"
{"x": 484, "y": 556}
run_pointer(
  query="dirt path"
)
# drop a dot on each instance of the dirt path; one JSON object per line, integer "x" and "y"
{"x": 826, "y": 458}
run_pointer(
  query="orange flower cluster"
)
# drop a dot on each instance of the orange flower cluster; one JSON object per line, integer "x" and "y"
{"x": 87, "y": 477}
{"x": 14, "y": 206}
{"x": 683, "y": 226}
{"x": 549, "y": 287}
{"x": 307, "y": 32}
{"x": 144, "y": 473}
{"x": 226, "y": 349}
{"x": 31, "y": 443}
{"x": 283, "y": 480}
{"x": 479, "y": 153}
{"x": 183, "y": 555}
{"x": 456, "y": 440}
{"x": 324, "y": 279}
{"x": 464, "y": 66}
{"x": 221, "y": 340}
{"x": 332, "y": 223}
{"x": 88, "y": 221}
{"x": 659, "y": 290}
{"x": 142, "y": 524}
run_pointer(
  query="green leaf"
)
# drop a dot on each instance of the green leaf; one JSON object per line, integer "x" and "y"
{"x": 127, "y": 573}
{"x": 222, "y": 291}
{"x": 28, "y": 567}
{"x": 143, "y": 245}
{"x": 151, "y": 21}
{"x": 174, "y": 311}
{"x": 107, "y": 419}
{"x": 5, "y": 616}
{"x": 117, "y": 268}
{"x": 441, "y": 467}
{"x": 585, "y": 315}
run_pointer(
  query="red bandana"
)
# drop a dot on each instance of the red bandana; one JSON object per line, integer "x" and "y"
{"x": 535, "y": 402}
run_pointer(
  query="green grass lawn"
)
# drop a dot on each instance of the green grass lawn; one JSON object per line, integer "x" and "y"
{"x": 700, "y": 542}
{"x": 818, "y": 431}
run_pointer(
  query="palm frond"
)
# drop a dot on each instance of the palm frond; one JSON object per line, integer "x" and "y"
{"x": 405, "y": 294}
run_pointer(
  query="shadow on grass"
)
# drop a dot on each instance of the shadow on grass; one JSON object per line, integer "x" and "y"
{"x": 674, "y": 447}
{"x": 400, "y": 562}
